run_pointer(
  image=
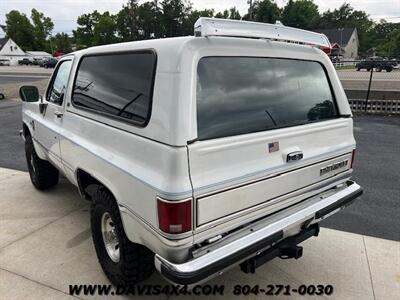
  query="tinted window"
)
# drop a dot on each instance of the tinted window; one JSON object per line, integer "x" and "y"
{"x": 59, "y": 84}
{"x": 119, "y": 85}
{"x": 238, "y": 95}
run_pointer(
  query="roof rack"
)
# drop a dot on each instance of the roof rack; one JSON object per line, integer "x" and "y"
{"x": 234, "y": 28}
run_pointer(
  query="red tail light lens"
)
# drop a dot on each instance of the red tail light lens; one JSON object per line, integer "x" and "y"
{"x": 353, "y": 155}
{"x": 174, "y": 216}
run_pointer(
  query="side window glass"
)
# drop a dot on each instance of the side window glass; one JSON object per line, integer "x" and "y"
{"x": 57, "y": 90}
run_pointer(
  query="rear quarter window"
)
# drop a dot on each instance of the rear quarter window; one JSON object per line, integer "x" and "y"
{"x": 239, "y": 95}
{"x": 118, "y": 85}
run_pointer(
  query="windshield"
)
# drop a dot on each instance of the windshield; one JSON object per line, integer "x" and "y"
{"x": 239, "y": 95}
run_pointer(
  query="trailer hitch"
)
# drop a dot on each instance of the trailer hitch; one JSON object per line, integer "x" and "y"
{"x": 285, "y": 249}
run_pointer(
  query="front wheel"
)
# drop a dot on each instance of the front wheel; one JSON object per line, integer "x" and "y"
{"x": 43, "y": 175}
{"x": 123, "y": 262}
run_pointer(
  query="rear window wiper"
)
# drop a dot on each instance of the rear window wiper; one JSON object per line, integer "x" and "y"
{"x": 272, "y": 119}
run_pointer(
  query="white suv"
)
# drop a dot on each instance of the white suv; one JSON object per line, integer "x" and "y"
{"x": 197, "y": 153}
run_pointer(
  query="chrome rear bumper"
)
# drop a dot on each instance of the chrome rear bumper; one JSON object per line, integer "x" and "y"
{"x": 273, "y": 229}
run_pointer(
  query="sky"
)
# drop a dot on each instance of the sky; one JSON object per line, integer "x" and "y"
{"x": 65, "y": 12}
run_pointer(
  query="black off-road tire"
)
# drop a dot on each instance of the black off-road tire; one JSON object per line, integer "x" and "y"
{"x": 136, "y": 262}
{"x": 43, "y": 174}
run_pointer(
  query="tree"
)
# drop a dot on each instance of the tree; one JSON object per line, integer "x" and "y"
{"x": 61, "y": 42}
{"x": 131, "y": 10}
{"x": 149, "y": 20}
{"x": 96, "y": 29}
{"x": 223, "y": 15}
{"x": 390, "y": 47}
{"x": 84, "y": 34}
{"x": 105, "y": 29}
{"x": 174, "y": 17}
{"x": 266, "y": 11}
{"x": 42, "y": 29}
{"x": 20, "y": 29}
{"x": 137, "y": 22}
{"x": 346, "y": 16}
{"x": 300, "y": 14}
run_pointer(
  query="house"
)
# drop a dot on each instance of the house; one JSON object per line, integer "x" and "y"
{"x": 38, "y": 54}
{"x": 11, "y": 51}
{"x": 344, "y": 41}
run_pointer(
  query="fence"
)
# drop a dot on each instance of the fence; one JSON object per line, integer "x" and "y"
{"x": 371, "y": 86}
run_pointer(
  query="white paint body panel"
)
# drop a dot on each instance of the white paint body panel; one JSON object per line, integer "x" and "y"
{"x": 137, "y": 164}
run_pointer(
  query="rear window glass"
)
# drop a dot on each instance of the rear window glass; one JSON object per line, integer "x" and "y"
{"x": 238, "y": 95}
{"x": 118, "y": 85}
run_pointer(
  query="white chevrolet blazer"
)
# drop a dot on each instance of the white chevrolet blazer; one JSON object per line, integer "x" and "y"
{"x": 197, "y": 153}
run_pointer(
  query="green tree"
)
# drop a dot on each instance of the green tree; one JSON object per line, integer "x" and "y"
{"x": 96, "y": 29}
{"x": 42, "y": 29}
{"x": 390, "y": 47}
{"x": 266, "y": 11}
{"x": 346, "y": 16}
{"x": 223, "y": 15}
{"x": 149, "y": 20}
{"x": 174, "y": 17}
{"x": 61, "y": 42}
{"x": 20, "y": 29}
{"x": 300, "y": 14}
{"x": 84, "y": 34}
{"x": 105, "y": 29}
{"x": 232, "y": 13}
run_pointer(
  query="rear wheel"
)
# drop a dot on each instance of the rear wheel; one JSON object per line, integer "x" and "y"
{"x": 123, "y": 262}
{"x": 43, "y": 174}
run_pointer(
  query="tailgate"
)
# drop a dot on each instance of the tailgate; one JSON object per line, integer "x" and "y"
{"x": 233, "y": 174}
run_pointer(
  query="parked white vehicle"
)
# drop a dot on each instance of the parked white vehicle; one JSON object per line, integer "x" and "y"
{"x": 197, "y": 153}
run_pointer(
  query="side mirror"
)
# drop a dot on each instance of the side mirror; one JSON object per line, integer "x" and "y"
{"x": 29, "y": 93}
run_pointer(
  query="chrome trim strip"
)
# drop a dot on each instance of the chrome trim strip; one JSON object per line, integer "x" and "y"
{"x": 279, "y": 222}
{"x": 273, "y": 205}
{"x": 188, "y": 193}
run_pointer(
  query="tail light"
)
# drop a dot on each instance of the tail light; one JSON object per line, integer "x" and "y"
{"x": 174, "y": 216}
{"x": 353, "y": 155}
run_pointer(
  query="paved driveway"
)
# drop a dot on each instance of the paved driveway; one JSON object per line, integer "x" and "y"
{"x": 45, "y": 246}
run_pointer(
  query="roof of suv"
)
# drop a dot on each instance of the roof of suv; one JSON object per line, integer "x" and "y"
{"x": 172, "y": 48}
{"x": 177, "y": 60}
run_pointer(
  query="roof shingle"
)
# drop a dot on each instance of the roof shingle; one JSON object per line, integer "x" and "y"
{"x": 341, "y": 37}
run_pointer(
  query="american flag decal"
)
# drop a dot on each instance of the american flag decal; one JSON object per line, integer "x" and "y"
{"x": 273, "y": 147}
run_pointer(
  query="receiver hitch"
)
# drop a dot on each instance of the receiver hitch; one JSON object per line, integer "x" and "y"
{"x": 287, "y": 248}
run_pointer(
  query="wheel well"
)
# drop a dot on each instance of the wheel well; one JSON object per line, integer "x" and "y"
{"x": 87, "y": 184}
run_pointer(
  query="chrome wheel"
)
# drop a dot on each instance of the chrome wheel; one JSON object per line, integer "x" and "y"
{"x": 110, "y": 237}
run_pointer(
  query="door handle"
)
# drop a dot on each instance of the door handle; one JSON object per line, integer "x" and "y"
{"x": 58, "y": 114}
